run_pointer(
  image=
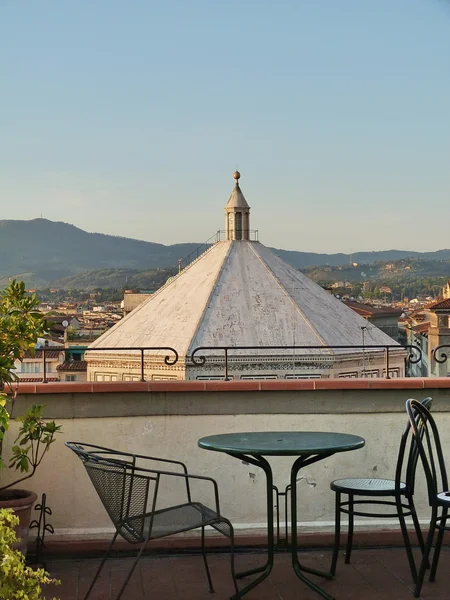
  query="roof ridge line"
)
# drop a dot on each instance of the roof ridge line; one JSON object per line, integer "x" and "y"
{"x": 280, "y": 285}
{"x": 213, "y": 287}
{"x": 186, "y": 268}
{"x": 163, "y": 287}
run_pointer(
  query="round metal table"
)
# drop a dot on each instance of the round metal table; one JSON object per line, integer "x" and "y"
{"x": 309, "y": 447}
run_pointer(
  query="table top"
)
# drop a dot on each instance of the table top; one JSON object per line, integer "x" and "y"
{"x": 282, "y": 443}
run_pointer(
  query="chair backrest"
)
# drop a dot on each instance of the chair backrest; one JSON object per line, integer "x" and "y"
{"x": 125, "y": 494}
{"x": 407, "y": 461}
{"x": 426, "y": 434}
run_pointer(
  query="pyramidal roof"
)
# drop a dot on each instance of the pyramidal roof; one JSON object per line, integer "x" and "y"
{"x": 240, "y": 293}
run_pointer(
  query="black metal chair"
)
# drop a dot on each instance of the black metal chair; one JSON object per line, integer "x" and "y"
{"x": 426, "y": 434}
{"x": 129, "y": 493}
{"x": 397, "y": 493}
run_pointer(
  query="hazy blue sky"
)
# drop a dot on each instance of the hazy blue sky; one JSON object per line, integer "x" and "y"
{"x": 129, "y": 117}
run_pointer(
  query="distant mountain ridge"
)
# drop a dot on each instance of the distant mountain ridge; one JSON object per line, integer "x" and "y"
{"x": 41, "y": 251}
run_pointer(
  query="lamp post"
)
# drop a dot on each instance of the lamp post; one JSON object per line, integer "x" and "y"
{"x": 363, "y": 331}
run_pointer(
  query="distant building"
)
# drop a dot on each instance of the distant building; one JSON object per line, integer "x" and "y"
{"x": 240, "y": 293}
{"x": 439, "y": 335}
{"x": 31, "y": 368}
{"x": 385, "y": 318}
{"x": 446, "y": 291}
{"x": 72, "y": 370}
{"x": 428, "y": 328}
{"x": 132, "y": 300}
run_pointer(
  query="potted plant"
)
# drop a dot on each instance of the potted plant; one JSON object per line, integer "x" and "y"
{"x": 16, "y": 579}
{"x": 21, "y": 324}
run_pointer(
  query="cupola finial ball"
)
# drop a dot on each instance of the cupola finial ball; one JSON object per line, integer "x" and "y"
{"x": 236, "y": 175}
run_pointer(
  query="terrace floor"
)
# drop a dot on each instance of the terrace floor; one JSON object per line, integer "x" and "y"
{"x": 380, "y": 573}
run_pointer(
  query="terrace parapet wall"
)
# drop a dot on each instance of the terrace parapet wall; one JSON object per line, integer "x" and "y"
{"x": 167, "y": 418}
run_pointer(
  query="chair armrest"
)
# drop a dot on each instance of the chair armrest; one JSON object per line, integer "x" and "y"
{"x": 187, "y": 477}
{"x": 162, "y": 460}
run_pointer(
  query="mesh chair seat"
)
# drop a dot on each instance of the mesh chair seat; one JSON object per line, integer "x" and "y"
{"x": 366, "y": 486}
{"x": 128, "y": 486}
{"x": 168, "y": 521}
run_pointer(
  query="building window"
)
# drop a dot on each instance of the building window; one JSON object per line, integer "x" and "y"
{"x": 71, "y": 378}
{"x": 238, "y": 229}
{"x": 394, "y": 372}
{"x": 373, "y": 374}
{"x": 31, "y": 367}
{"x": 212, "y": 378}
{"x": 105, "y": 377}
{"x": 253, "y": 377}
{"x": 303, "y": 376}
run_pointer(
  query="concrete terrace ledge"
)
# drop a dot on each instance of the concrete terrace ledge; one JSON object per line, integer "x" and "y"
{"x": 137, "y": 399}
{"x": 235, "y": 386}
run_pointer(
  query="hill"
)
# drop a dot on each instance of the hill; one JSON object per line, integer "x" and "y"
{"x": 42, "y": 251}
{"x": 115, "y": 279}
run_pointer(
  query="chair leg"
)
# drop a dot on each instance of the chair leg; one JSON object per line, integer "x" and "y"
{"x": 133, "y": 566}
{"x": 417, "y": 527}
{"x": 351, "y": 523}
{"x": 426, "y": 554}
{"x": 416, "y": 523}
{"x": 102, "y": 564}
{"x": 437, "y": 549}
{"x": 337, "y": 532}
{"x": 232, "y": 557}
{"x": 205, "y": 560}
{"x": 406, "y": 540}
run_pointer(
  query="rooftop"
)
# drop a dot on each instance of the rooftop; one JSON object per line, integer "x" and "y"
{"x": 72, "y": 365}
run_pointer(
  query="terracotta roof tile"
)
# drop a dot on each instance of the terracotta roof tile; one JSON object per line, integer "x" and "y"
{"x": 54, "y": 353}
{"x": 72, "y": 365}
{"x": 442, "y": 304}
{"x": 37, "y": 379}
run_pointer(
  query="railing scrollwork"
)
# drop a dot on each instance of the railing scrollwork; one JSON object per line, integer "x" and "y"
{"x": 438, "y": 354}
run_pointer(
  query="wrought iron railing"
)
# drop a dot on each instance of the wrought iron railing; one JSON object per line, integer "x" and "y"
{"x": 411, "y": 348}
{"x": 168, "y": 360}
{"x": 184, "y": 262}
{"x": 201, "y": 354}
{"x": 219, "y": 236}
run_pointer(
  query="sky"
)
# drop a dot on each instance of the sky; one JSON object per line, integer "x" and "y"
{"x": 130, "y": 117}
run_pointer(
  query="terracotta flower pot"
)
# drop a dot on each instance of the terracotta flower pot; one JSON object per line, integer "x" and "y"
{"x": 21, "y": 501}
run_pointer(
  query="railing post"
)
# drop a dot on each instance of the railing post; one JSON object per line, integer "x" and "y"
{"x": 44, "y": 373}
{"x": 142, "y": 364}
{"x": 387, "y": 362}
{"x": 226, "y": 364}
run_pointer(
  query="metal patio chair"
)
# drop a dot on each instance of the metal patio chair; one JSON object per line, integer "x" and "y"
{"x": 129, "y": 493}
{"x": 396, "y": 493}
{"x": 426, "y": 434}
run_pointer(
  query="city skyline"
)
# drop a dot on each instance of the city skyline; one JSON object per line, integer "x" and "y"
{"x": 130, "y": 119}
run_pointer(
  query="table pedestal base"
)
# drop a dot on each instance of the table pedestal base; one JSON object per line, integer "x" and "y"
{"x": 264, "y": 571}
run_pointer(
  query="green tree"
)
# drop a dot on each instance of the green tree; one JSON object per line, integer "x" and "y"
{"x": 21, "y": 324}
